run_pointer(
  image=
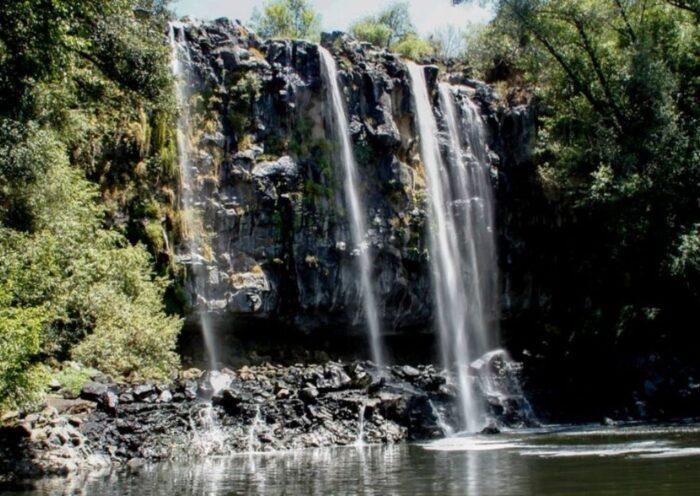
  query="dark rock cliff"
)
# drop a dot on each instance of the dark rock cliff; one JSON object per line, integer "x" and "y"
{"x": 268, "y": 181}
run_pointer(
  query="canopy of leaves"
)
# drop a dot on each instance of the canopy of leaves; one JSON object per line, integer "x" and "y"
{"x": 619, "y": 146}
{"x": 93, "y": 289}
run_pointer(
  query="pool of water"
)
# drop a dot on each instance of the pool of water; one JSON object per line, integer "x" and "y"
{"x": 557, "y": 460}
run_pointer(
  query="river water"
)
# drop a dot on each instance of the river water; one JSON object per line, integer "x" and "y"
{"x": 560, "y": 460}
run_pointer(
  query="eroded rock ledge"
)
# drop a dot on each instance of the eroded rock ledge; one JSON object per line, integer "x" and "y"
{"x": 262, "y": 408}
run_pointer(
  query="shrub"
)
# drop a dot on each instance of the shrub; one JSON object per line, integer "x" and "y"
{"x": 89, "y": 281}
{"x": 372, "y": 32}
{"x": 73, "y": 377}
{"x": 413, "y": 47}
{"x": 287, "y": 19}
{"x": 22, "y": 379}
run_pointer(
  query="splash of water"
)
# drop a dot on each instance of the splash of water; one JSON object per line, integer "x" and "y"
{"x": 208, "y": 437}
{"x": 354, "y": 203}
{"x": 252, "y": 433}
{"x": 360, "y": 441}
{"x": 195, "y": 236}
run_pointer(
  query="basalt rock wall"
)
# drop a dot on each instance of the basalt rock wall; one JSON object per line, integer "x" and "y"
{"x": 268, "y": 181}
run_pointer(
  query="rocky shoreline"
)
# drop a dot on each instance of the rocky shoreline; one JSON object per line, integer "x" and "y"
{"x": 253, "y": 409}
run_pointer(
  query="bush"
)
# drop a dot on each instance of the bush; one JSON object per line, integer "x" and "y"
{"x": 22, "y": 379}
{"x": 131, "y": 337}
{"x": 72, "y": 378}
{"x": 90, "y": 282}
{"x": 372, "y": 32}
{"x": 287, "y": 19}
{"x": 413, "y": 47}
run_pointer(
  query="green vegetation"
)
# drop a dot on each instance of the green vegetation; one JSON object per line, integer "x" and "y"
{"x": 618, "y": 151}
{"x": 413, "y": 47}
{"x": 392, "y": 28}
{"x": 386, "y": 28}
{"x": 87, "y": 170}
{"x": 293, "y": 19}
{"x": 72, "y": 377}
{"x": 244, "y": 90}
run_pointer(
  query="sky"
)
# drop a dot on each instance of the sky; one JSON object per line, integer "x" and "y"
{"x": 427, "y": 15}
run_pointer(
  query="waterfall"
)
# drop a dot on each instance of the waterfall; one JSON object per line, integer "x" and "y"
{"x": 194, "y": 228}
{"x": 474, "y": 208}
{"x": 208, "y": 437}
{"x": 353, "y": 202}
{"x": 462, "y": 253}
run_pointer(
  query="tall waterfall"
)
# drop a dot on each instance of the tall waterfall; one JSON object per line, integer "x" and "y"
{"x": 462, "y": 251}
{"x": 474, "y": 211}
{"x": 193, "y": 223}
{"x": 353, "y": 202}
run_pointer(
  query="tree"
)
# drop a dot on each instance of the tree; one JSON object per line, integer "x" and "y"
{"x": 386, "y": 28}
{"x": 619, "y": 147}
{"x": 86, "y": 138}
{"x": 450, "y": 41}
{"x": 398, "y": 19}
{"x": 392, "y": 28}
{"x": 287, "y": 19}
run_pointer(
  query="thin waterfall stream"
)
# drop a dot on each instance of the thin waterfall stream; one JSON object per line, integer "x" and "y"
{"x": 354, "y": 203}
{"x": 195, "y": 235}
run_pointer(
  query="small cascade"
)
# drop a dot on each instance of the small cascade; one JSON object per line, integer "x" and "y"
{"x": 499, "y": 379}
{"x": 355, "y": 207}
{"x": 208, "y": 437}
{"x": 193, "y": 223}
{"x": 360, "y": 441}
{"x": 253, "y": 442}
{"x": 446, "y": 429}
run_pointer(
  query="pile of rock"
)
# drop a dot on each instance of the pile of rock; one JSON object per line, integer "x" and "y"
{"x": 262, "y": 408}
{"x": 48, "y": 442}
{"x": 265, "y": 408}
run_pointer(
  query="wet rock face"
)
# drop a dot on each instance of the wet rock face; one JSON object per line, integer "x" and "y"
{"x": 268, "y": 182}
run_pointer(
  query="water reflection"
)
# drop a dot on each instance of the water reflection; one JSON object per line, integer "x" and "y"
{"x": 638, "y": 460}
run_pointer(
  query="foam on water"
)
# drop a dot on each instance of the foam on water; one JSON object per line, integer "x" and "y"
{"x": 579, "y": 442}
{"x": 672, "y": 453}
{"x": 472, "y": 443}
{"x": 600, "y": 450}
